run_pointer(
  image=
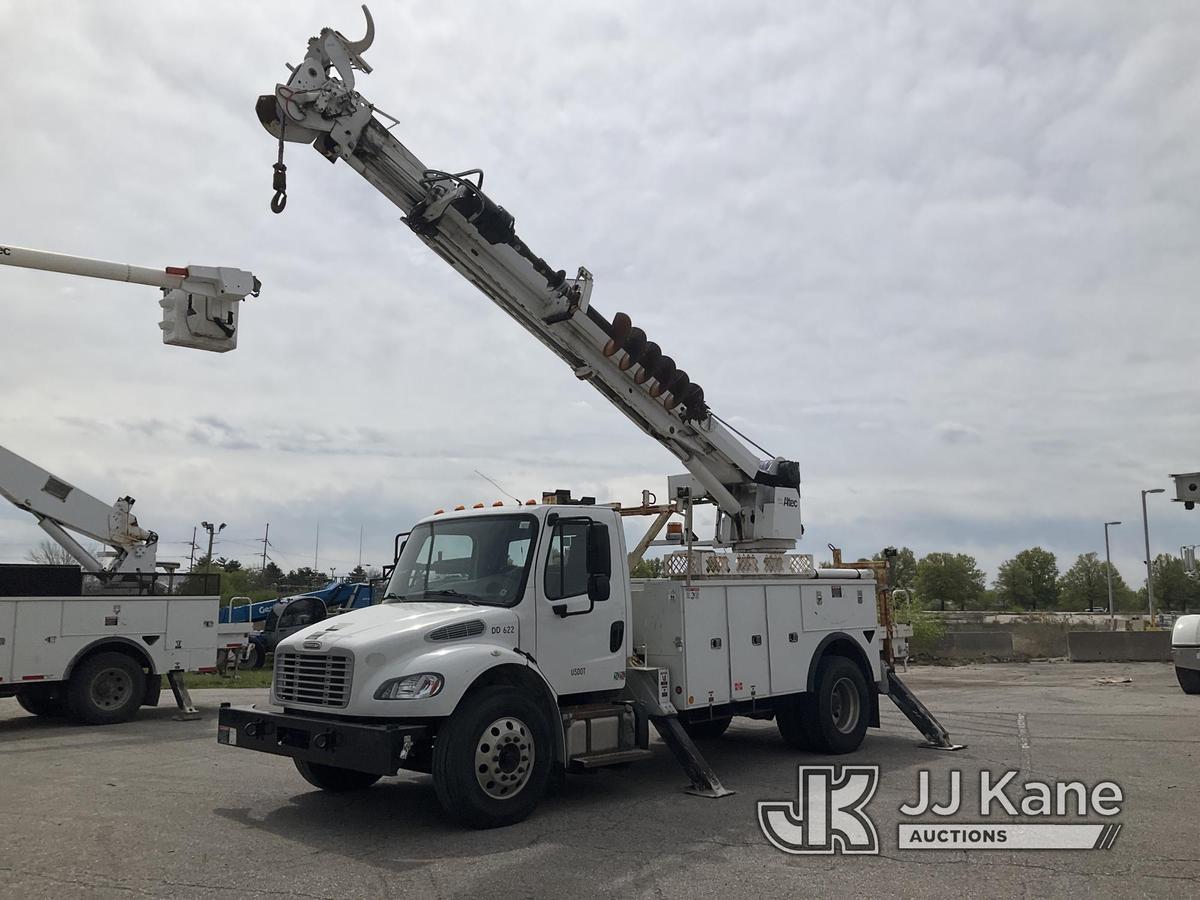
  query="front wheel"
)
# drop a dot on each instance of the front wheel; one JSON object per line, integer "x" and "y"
{"x": 334, "y": 778}
{"x": 1189, "y": 680}
{"x": 491, "y": 760}
{"x": 256, "y": 656}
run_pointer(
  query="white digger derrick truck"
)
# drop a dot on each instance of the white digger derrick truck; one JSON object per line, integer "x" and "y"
{"x": 94, "y": 641}
{"x": 512, "y": 643}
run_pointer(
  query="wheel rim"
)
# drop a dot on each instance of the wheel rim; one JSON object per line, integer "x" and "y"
{"x": 504, "y": 757}
{"x": 844, "y": 705}
{"x": 111, "y": 688}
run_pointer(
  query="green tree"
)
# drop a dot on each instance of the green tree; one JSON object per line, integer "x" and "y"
{"x": 358, "y": 573}
{"x": 1085, "y": 586}
{"x": 270, "y": 574}
{"x": 1174, "y": 589}
{"x": 904, "y": 568}
{"x": 648, "y": 568}
{"x": 1029, "y": 580}
{"x": 949, "y": 580}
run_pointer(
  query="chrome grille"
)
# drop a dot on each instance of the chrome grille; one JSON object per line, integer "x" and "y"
{"x": 316, "y": 678}
{"x": 456, "y": 631}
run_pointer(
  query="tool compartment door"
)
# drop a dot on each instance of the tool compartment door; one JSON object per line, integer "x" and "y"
{"x": 832, "y": 605}
{"x": 115, "y": 615}
{"x": 791, "y": 648}
{"x": 36, "y": 641}
{"x": 191, "y": 641}
{"x": 749, "y": 653}
{"x": 8, "y": 621}
{"x": 706, "y": 645}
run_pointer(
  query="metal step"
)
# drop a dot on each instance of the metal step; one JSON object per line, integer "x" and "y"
{"x": 937, "y": 736}
{"x": 611, "y": 758}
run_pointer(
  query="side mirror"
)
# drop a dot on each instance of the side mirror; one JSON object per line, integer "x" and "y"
{"x": 599, "y": 554}
{"x": 598, "y": 588}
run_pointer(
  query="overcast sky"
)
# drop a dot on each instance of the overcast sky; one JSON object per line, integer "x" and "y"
{"x": 945, "y": 256}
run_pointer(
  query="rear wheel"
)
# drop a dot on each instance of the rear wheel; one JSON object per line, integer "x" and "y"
{"x": 707, "y": 729}
{"x": 791, "y": 718}
{"x": 491, "y": 760}
{"x": 1189, "y": 680}
{"x": 334, "y": 778}
{"x": 106, "y": 688}
{"x": 45, "y": 700}
{"x": 835, "y": 715}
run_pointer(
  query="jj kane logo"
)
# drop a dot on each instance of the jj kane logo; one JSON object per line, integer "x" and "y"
{"x": 828, "y": 815}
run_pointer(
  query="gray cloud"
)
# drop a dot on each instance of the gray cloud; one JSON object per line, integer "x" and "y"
{"x": 944, "y": 256}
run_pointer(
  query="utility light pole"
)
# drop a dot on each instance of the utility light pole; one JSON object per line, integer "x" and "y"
{"x": 1149, "y": 567}
{"x": 212, "y": 531}
{"x": 1112, "y": 610}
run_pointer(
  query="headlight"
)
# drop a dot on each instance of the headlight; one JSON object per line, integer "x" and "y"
{"x": 410, "y": 687}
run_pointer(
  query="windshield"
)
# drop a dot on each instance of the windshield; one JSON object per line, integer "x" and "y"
{"x": 478, "y": 560}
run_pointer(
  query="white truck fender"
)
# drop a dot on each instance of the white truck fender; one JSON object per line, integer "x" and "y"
{"x": 462, "y": 666}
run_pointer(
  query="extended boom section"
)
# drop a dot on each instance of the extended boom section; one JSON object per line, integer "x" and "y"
{"x": 758, "y": 499}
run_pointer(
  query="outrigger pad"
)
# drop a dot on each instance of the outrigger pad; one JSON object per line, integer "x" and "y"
{"x": 937, "y": 737}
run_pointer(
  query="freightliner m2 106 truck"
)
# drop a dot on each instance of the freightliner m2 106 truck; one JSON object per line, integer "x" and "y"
{"x": 512, "y": 644}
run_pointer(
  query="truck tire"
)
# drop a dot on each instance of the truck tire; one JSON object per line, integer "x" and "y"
{"x": 835, "y": 715}
{"x": 45, "y": 701}
{"x": 106, "y": 688}
{"x": 707, "y": 729}
{"x": 791, "y": 718}
{"x": 491, "y": 760}
{"x": 256, "y": 657}
{"x": 335, "y": 778}
{"x": 1189, "y": 680}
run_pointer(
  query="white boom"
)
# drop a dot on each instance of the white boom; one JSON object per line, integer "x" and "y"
{"x": 60, "y": 506}
{"x": 199, "y": 303}
{"x": 758, "y": 499}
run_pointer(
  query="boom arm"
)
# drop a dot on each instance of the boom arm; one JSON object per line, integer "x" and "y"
{"x": 200, "y": 303}
{"x": 59, "y": 506}
{"x": 758, "y": 499}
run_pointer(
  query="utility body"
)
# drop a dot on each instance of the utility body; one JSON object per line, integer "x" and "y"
{"x": 512, "y": 643}
{"x": 99, "y": 656}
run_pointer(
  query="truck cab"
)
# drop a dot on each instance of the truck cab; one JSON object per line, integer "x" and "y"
{"x": 511, "y": 643}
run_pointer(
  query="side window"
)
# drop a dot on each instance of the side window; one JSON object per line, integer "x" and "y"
{"x": 566, "y": 566}
{"x": 517, "y": 552}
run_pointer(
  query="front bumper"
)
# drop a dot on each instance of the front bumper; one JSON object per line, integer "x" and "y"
{"x": 1186, "y": 657}
{"x": 380, "y": 748}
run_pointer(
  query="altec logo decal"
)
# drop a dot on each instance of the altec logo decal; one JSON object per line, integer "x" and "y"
{"x": 828, "y": 816}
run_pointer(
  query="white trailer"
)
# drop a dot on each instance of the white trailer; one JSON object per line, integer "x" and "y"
{"x": 512, "y": 643}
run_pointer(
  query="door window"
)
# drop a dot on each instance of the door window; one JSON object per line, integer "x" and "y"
{"x": 566, "y": 566}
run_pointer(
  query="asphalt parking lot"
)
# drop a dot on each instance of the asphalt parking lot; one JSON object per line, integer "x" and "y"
{"x": 156, "y": 808}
